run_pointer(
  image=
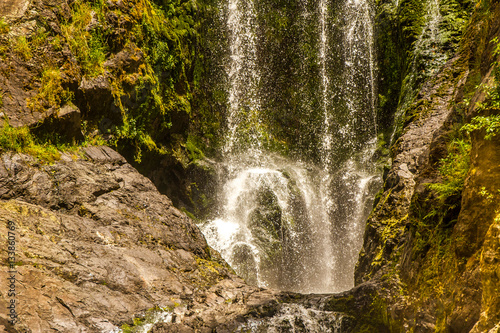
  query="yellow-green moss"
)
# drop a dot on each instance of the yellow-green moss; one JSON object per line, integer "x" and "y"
{"x": 23, "y": 48}
{"x": 22, "y": 141}
{"x": 51, "y": 94}
{"x": 87, "y": 45}
{"x": 4, "y": 26}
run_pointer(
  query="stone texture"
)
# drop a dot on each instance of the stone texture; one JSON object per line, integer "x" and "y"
{"x": 97, "y": 245}
{"x": 412, "y": 156}
{"x": 12, "y": 9}
{"x": 451, "y": 286}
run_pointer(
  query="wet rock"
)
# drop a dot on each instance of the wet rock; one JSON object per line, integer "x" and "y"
{"x": 385, "y": 228}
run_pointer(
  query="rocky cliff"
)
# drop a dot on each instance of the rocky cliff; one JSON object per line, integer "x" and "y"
{"x": 433, "y": 231}
{"x": 97, "y": 248}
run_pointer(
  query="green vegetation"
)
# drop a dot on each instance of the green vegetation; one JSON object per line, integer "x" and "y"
{"x": 491, "y": 124}
{"x": 39, "y": 38}
{"x": 193, "y": 149}
{"x": 46, "y": 147}
{"x": 152, "y": 316}
{"x": 4, "y": 26}
{"x": 22, "y": 140}
{"x": 412, "y": 54}
{"x": 22, "y": 48}
{"x": 51, "y": 93}
{"x": 165, "y": 36}
{"x": 453, "y": 169}
{"x": 88, "y": 45}
{"x": 56, "y": 43}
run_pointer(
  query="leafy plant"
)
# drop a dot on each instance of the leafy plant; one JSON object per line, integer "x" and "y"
{"x": 453, "y": 169}
{"x": 490, "y": 123}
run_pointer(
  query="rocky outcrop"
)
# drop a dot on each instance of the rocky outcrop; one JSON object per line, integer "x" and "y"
{"x": 97, "y": 245}
{"x": 415, "y": 152}
{"x": 440, "y": 247}
{"x": 91, "y": 252}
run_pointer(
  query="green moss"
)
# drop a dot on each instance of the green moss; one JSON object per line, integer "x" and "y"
{"x": 190, "y": 215}
{"x": 22, "y": 141}
{"x": 209, "y": 272}
{"x": 23, "y": 48}
{"x": 87, "y": 45}
{"x": 193, "y": 149}
{"x": 4, "y": 26}
{"x": 39, "y": 37}
{"x": 51, "y": 94}
{"x": 151, "y": 316}
{"x": 57, "y": 43}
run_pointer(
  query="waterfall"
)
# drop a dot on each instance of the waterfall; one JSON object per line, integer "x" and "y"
{"x": 295, "y": 223}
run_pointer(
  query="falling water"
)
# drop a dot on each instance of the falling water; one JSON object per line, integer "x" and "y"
{"x": 285, "y": 223}
{"x": 243, "y": 72}
{"x": 354, "y": 136}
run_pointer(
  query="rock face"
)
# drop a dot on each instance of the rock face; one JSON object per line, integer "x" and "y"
{"x": 440, "y": 248}
{"x": 71, "y": 69}
{"x": 97, "y": 245}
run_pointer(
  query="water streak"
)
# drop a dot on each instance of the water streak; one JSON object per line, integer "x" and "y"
{"x": 243, "y": 72}
{"x": 345, "y": 212}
